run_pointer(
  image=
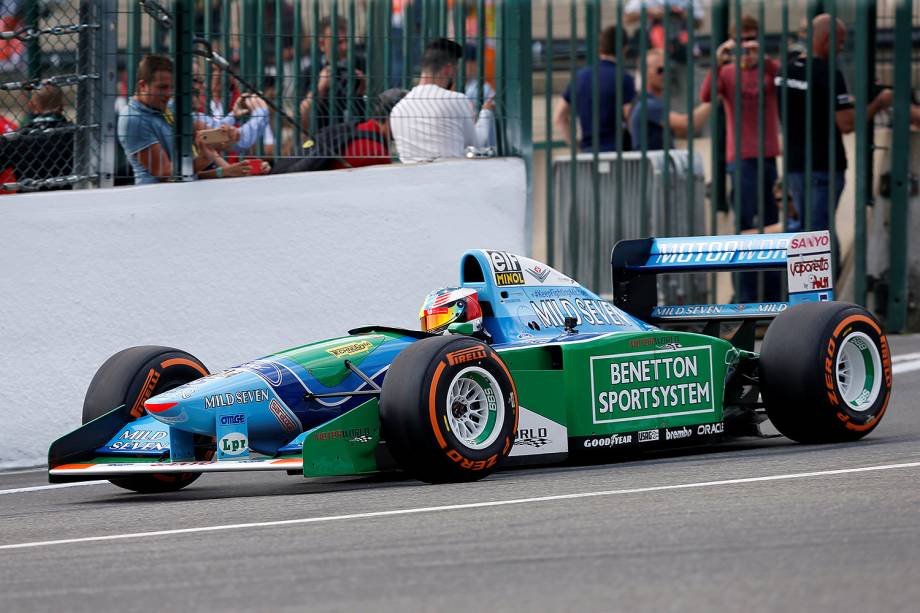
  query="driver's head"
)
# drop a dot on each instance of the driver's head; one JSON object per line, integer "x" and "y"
{"x": 449, "y": 305}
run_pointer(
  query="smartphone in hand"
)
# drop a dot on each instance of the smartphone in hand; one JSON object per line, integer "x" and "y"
{"x": 214, "y": 136}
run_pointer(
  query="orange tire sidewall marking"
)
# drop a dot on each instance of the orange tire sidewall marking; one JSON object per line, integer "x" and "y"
{"x": 886, "y": 368}
{"x": 432, "y": 401}
{"x": 184, "y": 362}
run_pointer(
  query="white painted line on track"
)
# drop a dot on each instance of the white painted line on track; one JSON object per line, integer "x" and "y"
{"x": 456, "y": 507}
{"x": 905, "y": 366}
{"x": 38, "y": 488}
{"x": 905, "y": 357}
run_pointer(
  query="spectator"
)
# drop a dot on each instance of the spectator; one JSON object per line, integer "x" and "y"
{"x": 249, "y": 114}
{"x": 471, "y": 77}
{"x": 749, "y": 138}
{"x": 656, "y": 114}
{"x": 432, "y": 121}
{"x": 823, "y": 178}
{"x": 348, "y": 144}
{"x": 682, "y": 16}
{"x": 368, "y": 150}
{"x": 36, "y": 154}
{"x": 611, "y": 111}
{"x": 6, "y": 173}
{"x": 340, "y": 73}
{"x": 145, "y": 127}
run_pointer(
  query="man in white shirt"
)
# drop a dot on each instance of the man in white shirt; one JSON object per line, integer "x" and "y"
{"x": 432, "y": 121}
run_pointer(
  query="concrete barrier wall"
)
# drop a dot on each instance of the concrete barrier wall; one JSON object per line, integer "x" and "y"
{"x": 228, "y": 270}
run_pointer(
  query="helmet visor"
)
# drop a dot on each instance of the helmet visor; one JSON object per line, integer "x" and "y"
{"x": 438, "y": 318}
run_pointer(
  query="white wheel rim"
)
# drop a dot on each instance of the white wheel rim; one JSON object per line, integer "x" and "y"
{"x": 859, "y": 372}
{"x": 475, "y": 408}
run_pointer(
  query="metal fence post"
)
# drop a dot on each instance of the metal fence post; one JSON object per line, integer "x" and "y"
{"x": 865, "y": 15}
{"x": 94, "y": 154}
{"x": 900, "y": 168}
{"x": 183, "y": 24}
{"x": 518, "y": 93}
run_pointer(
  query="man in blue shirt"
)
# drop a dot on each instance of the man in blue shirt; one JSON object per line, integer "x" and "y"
{"x": 143, "y": 130}
{"x": 610, "y": 110}
{"x": 656, "y": 114}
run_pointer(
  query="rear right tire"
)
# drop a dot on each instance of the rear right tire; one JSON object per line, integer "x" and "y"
{"x": 825, "y": 372}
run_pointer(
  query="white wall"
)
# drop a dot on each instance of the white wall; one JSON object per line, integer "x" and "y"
{"x": 228, "y": 270}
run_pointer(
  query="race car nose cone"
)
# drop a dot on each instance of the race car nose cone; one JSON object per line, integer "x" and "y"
{"x": 159, "y": 407}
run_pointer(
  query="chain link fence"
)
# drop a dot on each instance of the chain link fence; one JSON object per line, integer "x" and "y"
{"x": 51, "y": 95}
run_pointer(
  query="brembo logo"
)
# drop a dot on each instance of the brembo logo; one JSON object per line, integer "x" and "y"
{"x": 466, "y": 355}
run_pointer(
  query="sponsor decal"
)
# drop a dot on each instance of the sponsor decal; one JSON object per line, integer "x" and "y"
{"x": 236, "y": 418}
{"x": 654, "y": 341}
{"x": 539, "y": 273}
{"x": 141, "y": 440}
{"x": 215, "y": 401}
{"x": 707, "y": 429}
{"x": 674, "y": 434}
{"x": 352, "y": 435}
{"x": 534, "y": 437}
{"x": 287, "y": 422}
{"x": 553, "y": 311}
{"x": 137, "y": 409}
{"x": 802, "y": 266}
{"x": 647, "y": 384}
{"x": 350, "y": 349}
{"x": 811, "y": 240}
{"x": 507, "y": 268}
{"x": 461, "y": 356}
{"x": 647, "y": 436}
{"x": 721, "y": 251}
{"x": 614, "y": 440}
{"x": 233, "y": 443}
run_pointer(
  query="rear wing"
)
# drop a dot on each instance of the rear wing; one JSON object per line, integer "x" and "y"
{"x": 806, "y": 257}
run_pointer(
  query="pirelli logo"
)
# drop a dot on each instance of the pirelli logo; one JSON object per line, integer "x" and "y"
{"x": 137, "y": 409}
{"x": 463, "y": 356}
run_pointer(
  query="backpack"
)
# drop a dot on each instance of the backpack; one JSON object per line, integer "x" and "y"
{"x": 327, "y": 146}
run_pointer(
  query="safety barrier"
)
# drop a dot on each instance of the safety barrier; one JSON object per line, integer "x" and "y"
{"x": 585, "y": 231}
{"x": 228, "y": 270}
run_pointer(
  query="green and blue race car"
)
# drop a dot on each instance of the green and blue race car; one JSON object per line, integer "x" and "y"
{"x": 517, "y": 364}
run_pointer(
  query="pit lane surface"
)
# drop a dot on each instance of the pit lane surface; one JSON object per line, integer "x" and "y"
{"x": 690, "y": 532}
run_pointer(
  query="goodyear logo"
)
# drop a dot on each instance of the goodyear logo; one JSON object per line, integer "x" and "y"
{"x": 344, "y": 351}
{"x": 466, "y": 355}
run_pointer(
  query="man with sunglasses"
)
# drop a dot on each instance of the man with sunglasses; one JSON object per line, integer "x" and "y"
{"x": 656, "y": 113}
{"x": 749, "y": 91}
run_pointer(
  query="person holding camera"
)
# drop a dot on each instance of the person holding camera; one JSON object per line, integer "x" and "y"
{"x": 325, "y": 112}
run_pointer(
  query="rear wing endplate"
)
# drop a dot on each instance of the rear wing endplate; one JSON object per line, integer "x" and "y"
{"x": 806, "y": 257}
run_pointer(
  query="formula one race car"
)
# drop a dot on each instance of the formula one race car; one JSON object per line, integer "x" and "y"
{"x": 519, "y": 364}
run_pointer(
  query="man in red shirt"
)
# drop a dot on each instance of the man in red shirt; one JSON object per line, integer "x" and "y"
{"x": 750, "y": 141}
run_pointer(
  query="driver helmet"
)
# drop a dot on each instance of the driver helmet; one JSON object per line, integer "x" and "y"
{"x": 449, "y": 305}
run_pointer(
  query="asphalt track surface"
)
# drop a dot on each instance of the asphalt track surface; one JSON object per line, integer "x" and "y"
{"x": 756, "y": 525}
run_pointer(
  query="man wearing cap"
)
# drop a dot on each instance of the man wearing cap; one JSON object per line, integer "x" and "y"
{"x": 432, "y": 121}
